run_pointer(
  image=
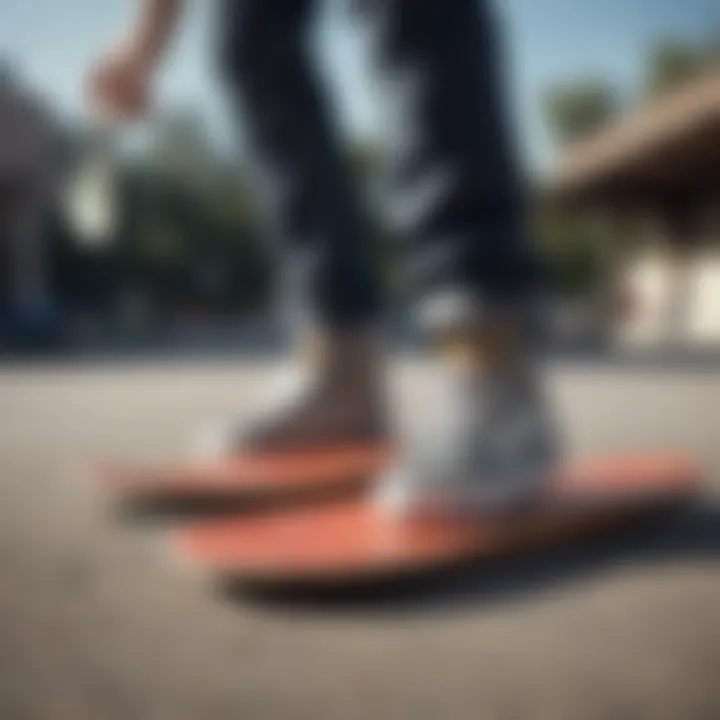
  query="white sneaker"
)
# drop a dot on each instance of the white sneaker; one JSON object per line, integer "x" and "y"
{"x": 490, "y": 447}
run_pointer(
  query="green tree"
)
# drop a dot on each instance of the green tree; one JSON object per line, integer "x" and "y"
{"x": 191, "y": 238}
{"x": 575, "y": 262}
{"x": 578, "y": 109}
{"x": 672, "y": 63}
{"x": 180, "y": 146}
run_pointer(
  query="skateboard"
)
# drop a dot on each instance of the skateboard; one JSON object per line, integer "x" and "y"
{"x": 354, "y": 542}
{"x": 245, "y": 481}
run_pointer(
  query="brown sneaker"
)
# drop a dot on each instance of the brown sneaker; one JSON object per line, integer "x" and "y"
{"x": 334, "y": 396}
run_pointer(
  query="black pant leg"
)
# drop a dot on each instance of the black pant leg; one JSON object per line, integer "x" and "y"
{"x": 264, "y": 58}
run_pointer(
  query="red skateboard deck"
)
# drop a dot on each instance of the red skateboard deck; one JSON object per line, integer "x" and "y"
{"x": 336, "y": 545}
{"x": 246, "y": 478}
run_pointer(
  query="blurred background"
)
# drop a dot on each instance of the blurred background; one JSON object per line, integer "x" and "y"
{"x": 618, "y": 114}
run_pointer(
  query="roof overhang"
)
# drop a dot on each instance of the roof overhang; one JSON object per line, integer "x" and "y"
{"x": 669, "y": 148}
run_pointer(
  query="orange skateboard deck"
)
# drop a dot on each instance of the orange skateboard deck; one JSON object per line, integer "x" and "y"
{"x": 326, "y": 546}
{"x": 228, "y": 484}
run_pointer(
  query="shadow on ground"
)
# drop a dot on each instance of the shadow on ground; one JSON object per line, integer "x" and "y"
{"x": 686, "y": 536}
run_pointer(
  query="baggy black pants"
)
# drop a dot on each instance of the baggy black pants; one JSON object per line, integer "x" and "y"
{"x": 457, "y": 195}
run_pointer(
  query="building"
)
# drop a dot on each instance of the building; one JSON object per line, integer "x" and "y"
{"x": 654, "y": 177}
{"x": 27, "y": 176}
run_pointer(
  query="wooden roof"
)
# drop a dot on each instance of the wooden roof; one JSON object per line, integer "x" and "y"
{"x": 670, "y": 147}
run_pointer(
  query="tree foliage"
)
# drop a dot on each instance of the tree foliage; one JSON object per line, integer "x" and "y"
{"x": 673, "y": 63}
{"x": 580, "y": 108}
{"x": 190, "y": 240}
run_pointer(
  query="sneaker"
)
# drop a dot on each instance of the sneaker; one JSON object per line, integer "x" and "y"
{"x": 491, "y": 444}
{"x": 332, "y": 398}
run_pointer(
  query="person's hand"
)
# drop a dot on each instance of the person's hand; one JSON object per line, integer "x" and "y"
{"x": 120, "y": 86}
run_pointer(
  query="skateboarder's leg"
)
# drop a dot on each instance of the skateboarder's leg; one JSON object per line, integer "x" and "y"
{"x": 328, "y": 289}
{"x": 460, "y": 202}
{"x": 459, "y": 198}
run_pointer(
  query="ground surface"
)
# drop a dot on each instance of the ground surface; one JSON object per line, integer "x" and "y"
{"x": 96, "y": 622}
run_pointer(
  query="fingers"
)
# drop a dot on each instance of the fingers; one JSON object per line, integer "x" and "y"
{"x": 117, "y": 90}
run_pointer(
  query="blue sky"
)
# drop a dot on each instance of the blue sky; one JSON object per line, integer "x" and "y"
{"x": 53, "y": 41}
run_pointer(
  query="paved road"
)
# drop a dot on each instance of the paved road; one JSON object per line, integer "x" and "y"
{"x": 96, "y": 623}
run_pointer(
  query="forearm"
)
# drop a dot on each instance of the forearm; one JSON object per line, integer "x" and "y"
{"x": 154, "y": 28}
